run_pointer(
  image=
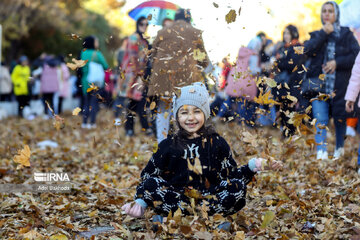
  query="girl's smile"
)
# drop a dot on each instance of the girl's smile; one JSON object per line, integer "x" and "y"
{"x": 191, "y": 119}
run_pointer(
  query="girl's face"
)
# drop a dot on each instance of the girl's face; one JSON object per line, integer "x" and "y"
{"x": 287, "y": 36}
{"x": 328, "y": 13}
{"x": 191, "y": 119}
{"x": 143, "y": 26}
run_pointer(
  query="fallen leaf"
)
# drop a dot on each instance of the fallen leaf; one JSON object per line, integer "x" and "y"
{"x": 23, "y": 157}
{"x": 59, "y": 237}
{"x": 268, "y": 217}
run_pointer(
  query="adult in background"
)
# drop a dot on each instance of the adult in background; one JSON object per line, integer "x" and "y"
{"x": 288, "y": 80}
{"x": 90, "y": 102}
{"x": 134, "y": 64}
{"x": 5, "y": 83}
{"x": 241, "y": 86}
{"x": 20, "y": 77}
{"x": 332, "y": 51}
{"x": 49, "y": 83}
{"x": 179, "y": 57}
{"x": 63, "y": 77}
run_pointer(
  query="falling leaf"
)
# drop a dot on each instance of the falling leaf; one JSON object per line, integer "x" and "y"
{"x": 77, "y": 64}
{"x": 149, "y": 17}
{"x": 268, "y": 217}
{"x": 299, "y": 50}
{"x": 231, "y": 16}
{"x": 92, "y": 87}
{"x": 215, "y": 5}
{"x": 292, "y": 98}
{"x": 23, "y": 157}
{"x": 198, "y": 55}
{"x": 152, "y": 105}
{"x": 239, "y": 11}
{"x": 76, "y": 111}
{"x": 271, "y": 82}
{"x": 322, "y": 76}
{"x": 304, "y": 67}
{"x": 264, "y": 99}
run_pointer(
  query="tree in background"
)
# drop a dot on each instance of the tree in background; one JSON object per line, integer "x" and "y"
{"x": 32, "y": 27}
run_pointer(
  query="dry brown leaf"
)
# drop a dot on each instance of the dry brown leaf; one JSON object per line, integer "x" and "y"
{"x": 231, "y": 16}
{"x": 23, "y": 157}
{"x": 77, "y": 64}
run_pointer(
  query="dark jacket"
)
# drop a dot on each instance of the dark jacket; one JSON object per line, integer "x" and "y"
{"x": 346, "y": 51}
{"x": 171, "y": 163}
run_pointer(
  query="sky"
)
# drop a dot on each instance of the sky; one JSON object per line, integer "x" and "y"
{"x": 221, "y": 38}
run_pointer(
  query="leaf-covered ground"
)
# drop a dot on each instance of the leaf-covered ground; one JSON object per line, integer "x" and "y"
{"x": 307, "y": 200}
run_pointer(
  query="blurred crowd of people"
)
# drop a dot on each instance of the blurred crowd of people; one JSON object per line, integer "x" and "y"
{"x": 266, "y": 86}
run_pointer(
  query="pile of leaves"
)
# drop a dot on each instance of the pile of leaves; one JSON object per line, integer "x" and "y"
{"x": 308, "y": 199}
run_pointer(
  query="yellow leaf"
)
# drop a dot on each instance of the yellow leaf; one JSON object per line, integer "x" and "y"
{"x": 271, "y": 82}
{"x": 231, "y": 16}
{"x": 292, "y": 98}
{"x": 299, "y": 50}
{"x": 58, "y": 237}
{"x": 92, "y": 87}
{"x": 268, "y": 217}
{"x": 196, "y": 168}
{"x": 76, "y": 111}
{"x": 198, "y": 55}
{"x": 23, "y": 157}
{"x": 322, "y": 77}
{"x": 152, "y": 105}
{"x": 93, "y": 213}
{"x": 106, "y": 167}
{"x": 264, "y": 99}
{"x": 240, "y": 235}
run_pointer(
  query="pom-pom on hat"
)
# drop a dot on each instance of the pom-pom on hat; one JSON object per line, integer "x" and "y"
{"x": 195, "y": 94}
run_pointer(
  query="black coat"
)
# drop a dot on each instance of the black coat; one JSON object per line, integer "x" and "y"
{"x": 346, "y": 51}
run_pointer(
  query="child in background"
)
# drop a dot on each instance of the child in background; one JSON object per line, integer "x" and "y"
{"x": 352, "y": 92}
{"x": 196, "y": 157}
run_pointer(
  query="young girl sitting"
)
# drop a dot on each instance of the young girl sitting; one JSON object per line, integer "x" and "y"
{"x": 196, "y": 157}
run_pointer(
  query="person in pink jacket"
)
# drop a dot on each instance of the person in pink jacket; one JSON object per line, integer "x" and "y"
{"x": 49, "y": 82}
{"x": 352, "y": 93}
{"x": 241, "y": 86}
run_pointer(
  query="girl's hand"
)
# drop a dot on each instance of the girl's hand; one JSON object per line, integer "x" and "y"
{"x": 263, "y": 164}
{"x": 349, "y": 106}
{"x": 133, "y": 209}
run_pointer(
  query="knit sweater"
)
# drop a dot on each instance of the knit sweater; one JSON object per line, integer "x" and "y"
{"x": 177, "y": 165}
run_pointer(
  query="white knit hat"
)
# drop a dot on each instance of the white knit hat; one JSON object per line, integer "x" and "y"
{"x": 195, "y": 94}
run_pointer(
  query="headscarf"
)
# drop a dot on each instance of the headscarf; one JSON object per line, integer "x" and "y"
{"x": 331, "y": 46}
{"x": 140, "y": 19}
{"x": 89, "y": 42}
